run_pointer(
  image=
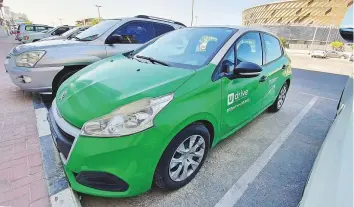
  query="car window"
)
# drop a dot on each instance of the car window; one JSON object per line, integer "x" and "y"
{"x": 97, "y": 30}
{"x": 230, "y": 57}
{"x": 29, "y": 28}
{"x": 162, "y": 29}
{"x": 272, "y": 48}
{"x": 249, "y": 48}
{"x": 40, "y": 28}
{"x": 137, "y": 32}
{"x": 61, "y": 30}
{"x": 189, "y": 48}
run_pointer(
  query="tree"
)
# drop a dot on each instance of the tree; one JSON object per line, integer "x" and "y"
{"x": 337, "y": 45}
{"x": 95, "y": 21}
{"x": 284, "y": 42}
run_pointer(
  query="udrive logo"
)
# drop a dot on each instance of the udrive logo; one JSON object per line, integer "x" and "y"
{"x": 235, "y": 96}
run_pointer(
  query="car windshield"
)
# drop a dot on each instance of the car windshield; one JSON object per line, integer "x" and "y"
{"x": 51, "y": 30}
{"x": 187, "y": 48}
{"x": 67, "y": 33}
{"x": 95, "y": 31}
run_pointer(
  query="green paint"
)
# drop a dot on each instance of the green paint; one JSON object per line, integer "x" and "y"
{"x": 103, "y": 86}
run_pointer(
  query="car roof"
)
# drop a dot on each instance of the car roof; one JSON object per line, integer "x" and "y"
{"x": 242, "y": 29}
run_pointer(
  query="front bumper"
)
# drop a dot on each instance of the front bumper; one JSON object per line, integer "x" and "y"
{"x": 122, "y": 167}
{"x": 40, "y": 78}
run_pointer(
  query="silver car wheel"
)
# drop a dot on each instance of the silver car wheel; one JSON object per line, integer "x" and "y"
{"x": 187, "y": 158}
{"x": 282, "y": 96}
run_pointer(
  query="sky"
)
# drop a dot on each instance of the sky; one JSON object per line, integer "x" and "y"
{"x": 208, "y": 12}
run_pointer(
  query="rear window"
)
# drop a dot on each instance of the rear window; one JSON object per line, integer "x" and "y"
{"x": 162, "y": 29}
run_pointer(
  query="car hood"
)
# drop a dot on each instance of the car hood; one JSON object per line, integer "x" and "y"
{"x": 108, "y": 84}
{"x": 44, "y": 45}
{"x": 53, "y": 38}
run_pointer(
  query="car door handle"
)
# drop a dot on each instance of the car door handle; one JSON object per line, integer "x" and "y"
{"x": 263, "y": 78}
{"x": 284, "y": 67}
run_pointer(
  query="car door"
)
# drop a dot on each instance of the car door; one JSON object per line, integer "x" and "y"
{"x": 241, "y": 97}
{"x": 133, "y": 34}
{"x": 275, "y": 64}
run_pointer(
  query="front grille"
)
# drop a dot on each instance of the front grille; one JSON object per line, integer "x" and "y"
{"x": 66, "y": 135}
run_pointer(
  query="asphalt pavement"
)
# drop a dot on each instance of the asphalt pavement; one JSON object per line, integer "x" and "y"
{"x": 267, "y": 162}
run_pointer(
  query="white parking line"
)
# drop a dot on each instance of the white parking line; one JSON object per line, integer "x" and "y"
{"x": 331, "y": 99}
{"x": 236, "y": 191}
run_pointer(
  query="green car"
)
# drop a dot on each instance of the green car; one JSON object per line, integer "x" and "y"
{"x": 152, "y": 115}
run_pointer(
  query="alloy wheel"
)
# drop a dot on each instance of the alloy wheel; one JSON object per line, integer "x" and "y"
{"x": 187, "y": 158}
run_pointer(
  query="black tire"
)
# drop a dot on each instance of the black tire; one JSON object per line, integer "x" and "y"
{"x": 275, "y": 107}
{"x": 162, "y": 176}
{"x": 60, "y": 79}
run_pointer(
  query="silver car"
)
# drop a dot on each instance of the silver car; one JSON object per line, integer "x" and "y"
{"x": 67, "y": 35}
{"x": 44, "y": 66}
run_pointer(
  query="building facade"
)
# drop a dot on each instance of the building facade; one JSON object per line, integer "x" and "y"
{"x": 303, "y": 23}
{"x": 298, "y": 13}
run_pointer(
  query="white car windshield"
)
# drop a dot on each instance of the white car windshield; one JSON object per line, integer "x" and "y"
{"x": 67, "y": 33}
{"x": 97, "y": 30}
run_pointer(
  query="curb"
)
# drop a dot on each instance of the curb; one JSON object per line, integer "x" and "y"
{"x": 58, "y": 187}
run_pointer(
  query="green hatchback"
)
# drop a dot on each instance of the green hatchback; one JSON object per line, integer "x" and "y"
{"x": 151, "y": 115}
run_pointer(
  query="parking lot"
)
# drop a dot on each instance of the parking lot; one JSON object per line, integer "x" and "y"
{"x": 267, "y": 162}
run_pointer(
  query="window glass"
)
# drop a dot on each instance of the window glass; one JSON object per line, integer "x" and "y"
{"x": 29, "y": 28}
{"x": 272, "y": 48}
{"x": 61, "y": 30}
{"x": 135, "y": 32}
{"x": 249, "y": 48}
{"x": 95, "y": 31}
{"x": 230, "y": 57}
{"x": 188, "y": 47}
{"x": 40, "y": 28}
{"x": 162, "y": 29}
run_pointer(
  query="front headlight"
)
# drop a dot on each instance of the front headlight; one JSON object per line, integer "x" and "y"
{"x": 29, "y": 59}
{"x": 128, "y": 119}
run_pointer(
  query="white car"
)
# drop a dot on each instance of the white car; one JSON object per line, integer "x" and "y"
{"x": 318, "y": 54}
{"x": 331, "y": 181}
{"x": 34, "y": 37}
{"x": 67, "y": 35}
{"x": 26, "y": 29}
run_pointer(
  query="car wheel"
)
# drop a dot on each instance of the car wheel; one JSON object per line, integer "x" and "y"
{"x": 183, "y": 157}
{"x": 60, "y": 80}
{"x": 279, "y": 101}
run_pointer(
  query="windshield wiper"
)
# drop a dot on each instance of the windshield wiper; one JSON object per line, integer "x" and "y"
{"x": 153, "y": 60}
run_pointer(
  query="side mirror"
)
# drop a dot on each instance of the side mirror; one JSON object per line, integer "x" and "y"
{"x": 114, "y": 39}
{"x": 247, "y": 70}
{"x": 53, "y": 33}
{"x": 347, "y": 34}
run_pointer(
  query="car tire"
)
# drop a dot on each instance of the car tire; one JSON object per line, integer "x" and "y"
{"x": 60, "y": 80}
{"x": 171, "y": 175}
{"x": 279, "y": 101}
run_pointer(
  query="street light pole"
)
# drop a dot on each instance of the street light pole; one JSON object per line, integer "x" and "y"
{"x": 192, "y": 12}
{"x": 99, "y": 14}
